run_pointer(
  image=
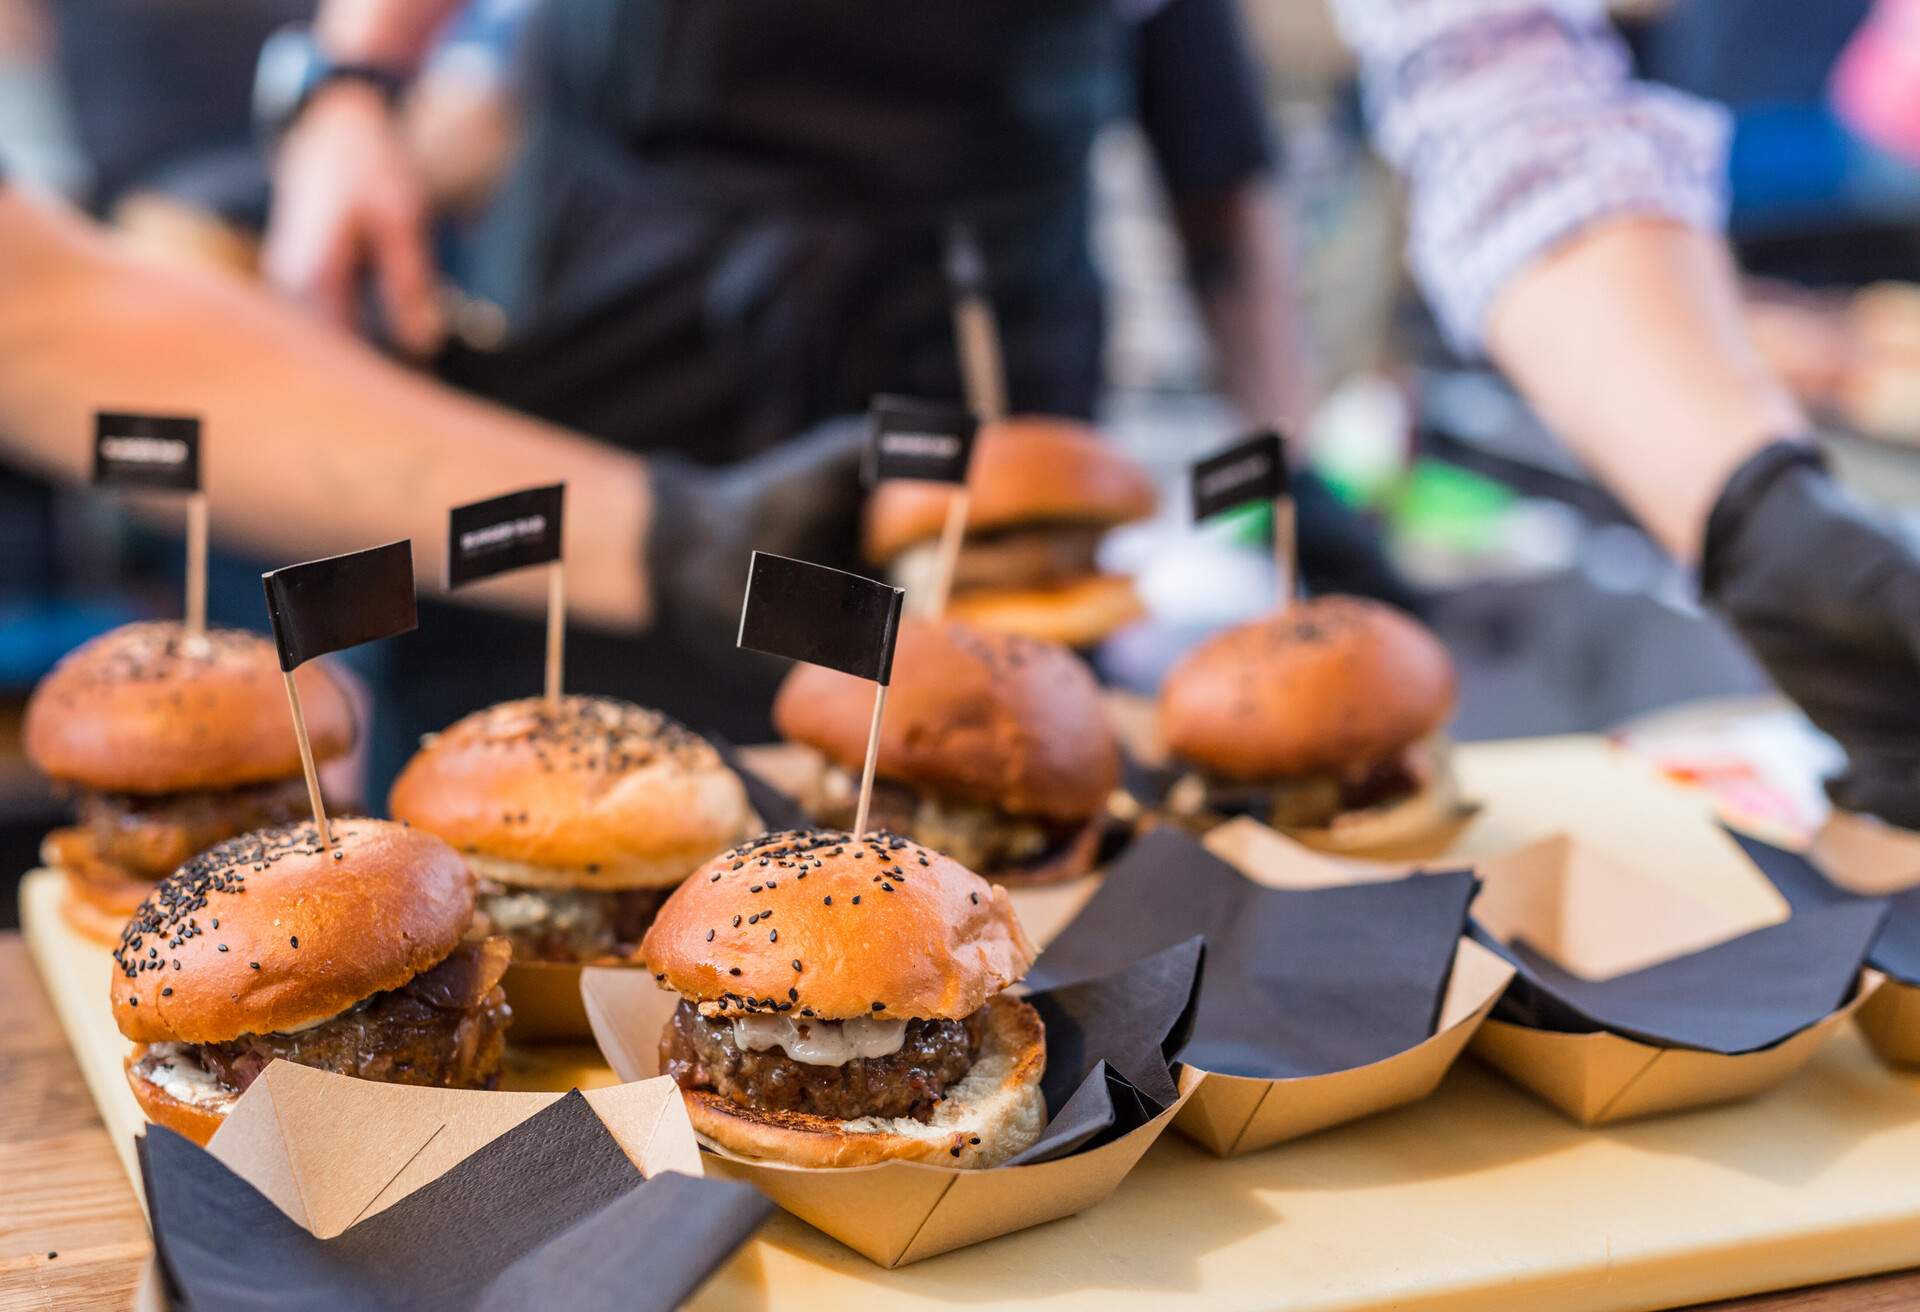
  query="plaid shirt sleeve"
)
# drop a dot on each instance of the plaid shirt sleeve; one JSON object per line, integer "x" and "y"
{"x": 1516, "y": 124}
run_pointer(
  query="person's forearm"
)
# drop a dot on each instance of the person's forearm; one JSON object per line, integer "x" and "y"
{"x": 314, "y": 444}
{"x": 1630, "y": 342}
{"x": 388, "y": 33}
{"x": 1240, "y": 261}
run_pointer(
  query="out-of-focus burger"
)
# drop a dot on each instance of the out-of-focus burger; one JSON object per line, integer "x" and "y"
{"x": 1324, "y": 721}
{"x": 1043, "y": 494}
{"x": 169, "y": 742}
{"x": 351, "y": 960}
{"x": 578, "y": 820}
{"x": 994, "y": 748}
{"x": 842, "y": 1002}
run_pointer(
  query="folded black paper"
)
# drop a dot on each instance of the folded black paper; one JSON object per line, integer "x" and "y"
{"x": 1297, "y": 982}
{"x": 1147, "y": 784}
{"x": 1743, "y": 995}
{"x": 1896, "y": 951}
{"x": 551, "y": 1213}
{"x": 1110, "y": 1045}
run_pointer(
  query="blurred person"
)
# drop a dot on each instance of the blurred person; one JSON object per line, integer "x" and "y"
{"x": 1566, "y": 219}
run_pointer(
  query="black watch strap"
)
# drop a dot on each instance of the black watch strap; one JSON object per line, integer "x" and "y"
{"x": 293, "y": 69}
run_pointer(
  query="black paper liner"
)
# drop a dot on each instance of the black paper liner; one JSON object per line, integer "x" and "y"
{"x": 1895, "y": 952}
{"x": 1298, "y": 982}
{"x": 1745, "y": 994}
{"x": 549, "y": 1214}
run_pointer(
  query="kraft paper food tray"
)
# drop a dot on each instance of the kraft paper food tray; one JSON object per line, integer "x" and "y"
{"x": 1600, "y": 918}
{"x": 892, "y": 1213}
{"x": 1044, "y": 909}
{"x": 1869, "y": 856}
{"x": 330, "y": 1151}
{"x": 1231, "y": 1114}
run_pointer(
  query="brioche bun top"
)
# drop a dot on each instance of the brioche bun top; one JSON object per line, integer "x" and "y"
{"x": 270, "y": 931}
{"x": 1328, "y": 685}
{"x": 625, "y": 795}
{"x": 994, "y": 718}
{"x": 149, "y": 708}
{"x": 1028, "y": 469}
{"x": 880, "y": 927}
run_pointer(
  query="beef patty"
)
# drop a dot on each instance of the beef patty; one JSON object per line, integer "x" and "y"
{"x": 151, "y": 837}
{"x": 445, "y": 1027}
{"x": 980, "y": 838}
{"x": 1314, "y": 801}
{"x": 570, "y": 924}
{"x": 701, "y": 1054}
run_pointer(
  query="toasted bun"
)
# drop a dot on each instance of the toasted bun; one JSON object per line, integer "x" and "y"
{"x": 162, "y": 1108}
{"x": 394, "y": 903}
{"x": 1082, "y": 613}
{"x": 995, "y": 1112}
{"x": 936, "y": 946}
{"x": 992, "y": 718}
{"x": 1328, "y": 685}
{"x": 148, "y": 708}
{"x": 1025, "y": 470}
{"x": 101, "y": 897}
{"x": 598, "y": 794}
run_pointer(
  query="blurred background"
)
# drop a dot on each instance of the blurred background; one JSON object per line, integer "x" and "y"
{"x": 1562, "y": 615}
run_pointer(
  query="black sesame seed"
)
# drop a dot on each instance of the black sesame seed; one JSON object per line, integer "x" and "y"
{"x": 887, "y": 887}
{"x": 827, "y": 900}
{"x": 773, "y": 936}
{"x": 736, "y": 922}
{"x": 294, "y": 939}
{"x": 974, "y": 898}
{"x": 254, "y": 964}
{"x": 793, "y": 995}
{"x": 955, "y": 1150}
{"x": 709, "y": 936}
{"x": 796, "y": 963}
{"x": 756, "y": 888}
{"x": 879, "y": 1006}
{"x": 133, "y": 1002}
{"x": 223, "y": 947}
{"x": 856, "y": 899}
{"x": 167, "y": 992}
{"x": 734, "y": 970}
{"x": 973, "y": 1138}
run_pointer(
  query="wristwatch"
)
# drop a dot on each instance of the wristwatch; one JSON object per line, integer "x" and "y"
{"x": 291, "y": 70}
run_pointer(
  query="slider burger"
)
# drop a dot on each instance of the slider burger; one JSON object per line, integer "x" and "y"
{"x": 578, "y": 820}
{"x": 842, "y": 1002}
{"x": 169, "y": 742}
{"x": 1043, "y": 493}
{"x": 352, "y": 961}
{"x": 994, "y": 748}
{"x": 1323, "y": 721}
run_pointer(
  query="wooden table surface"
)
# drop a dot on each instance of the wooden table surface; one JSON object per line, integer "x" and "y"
{"x": 72, "y": 1237}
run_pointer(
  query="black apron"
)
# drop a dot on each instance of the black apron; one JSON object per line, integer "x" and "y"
{"x": 726, "y": 226}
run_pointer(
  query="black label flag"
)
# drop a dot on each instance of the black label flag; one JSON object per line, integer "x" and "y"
{"x": 1253, "y": 470}
{"x": 826, "y": 617}
{"x": 493, "y": 536}
{"x": 327, "y": 605}
{"x": 931, "y": 441}
{"x": 160, "y": 452}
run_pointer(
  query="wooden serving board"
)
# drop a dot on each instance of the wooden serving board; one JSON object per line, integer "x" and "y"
{"x": 1479, "y": 1197}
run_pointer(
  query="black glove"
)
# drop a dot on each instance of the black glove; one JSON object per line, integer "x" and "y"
{"x": 801, "y": 499}
{"x": 1827, "y": 594}
{"x": 1341, "y": 549}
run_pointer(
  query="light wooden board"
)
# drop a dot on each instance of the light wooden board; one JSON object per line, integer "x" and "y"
{"x": 1477, "y": 1198}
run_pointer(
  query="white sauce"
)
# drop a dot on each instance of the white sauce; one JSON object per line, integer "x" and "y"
{"x": 173, "y": 1068}
{"x": 821, "y": 1042}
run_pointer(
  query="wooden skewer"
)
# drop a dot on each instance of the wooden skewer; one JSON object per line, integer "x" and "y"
{"x": 556, "y": 630}
{"x": 1285, "y": 558}
{"x": 306, "y": 762}
{"x": 197, "y": 563}
{"x": 873, "y": 758}
{"x": 952, "y": 536}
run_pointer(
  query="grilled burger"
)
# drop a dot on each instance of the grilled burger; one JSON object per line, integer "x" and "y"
{"x": 1323, "y": 721}
{"x": 842, "y": 1002}
{"x": 994, "y": 748}
{"x": 1043, "y": 493}
{"x": 578, "y": 820}
{"x": 352, "y": 961}
{"x": 169, "y": 743}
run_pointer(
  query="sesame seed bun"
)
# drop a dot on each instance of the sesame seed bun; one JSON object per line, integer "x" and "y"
{"x": 1026, "y": 470}
{"x": 993, "y": 718}
{"x": 1326, "y": 686}
{"x": 993, "y": 1113}
{"x": 148, "y": 708}
{"x": 934, "y": 946}
{"x": 1082, "y": 613}
{"x": 392, "y": 903}
{"x": 599, "y": 794}
{"x": 194, "y": 1121}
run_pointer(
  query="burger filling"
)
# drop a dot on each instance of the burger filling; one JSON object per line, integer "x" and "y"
{"x": 570, "y": 924}
{"x": 151, "y": 836}
{"x": 842, "y": 1070}
{"x": 445, "y": 1027}
{"x": 1030, "y": 556}
{"x": 979, "y": 837}
{"x": 1308, "y": 801}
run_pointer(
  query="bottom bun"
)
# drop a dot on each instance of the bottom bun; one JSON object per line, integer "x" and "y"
{"x": 101, "y": 897}
{"x": 1421, "y": 824}
{"x": 1069, "y": 860}
{"x": 995, "y": 1112}
{"x": 1077, "y": 614}
{"x": 162, "y": 1108}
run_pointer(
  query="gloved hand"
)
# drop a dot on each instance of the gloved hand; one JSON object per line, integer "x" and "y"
{"x": 801, "y": 499}
{"x": 1827, "y": 594}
